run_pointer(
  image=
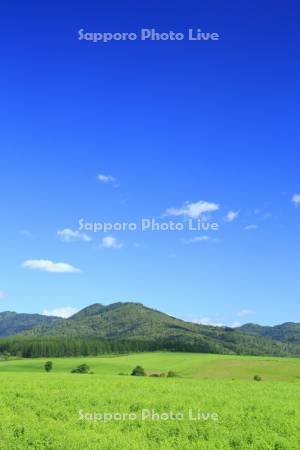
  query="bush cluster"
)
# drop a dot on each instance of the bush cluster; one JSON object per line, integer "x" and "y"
{"x": 139, "y": 371}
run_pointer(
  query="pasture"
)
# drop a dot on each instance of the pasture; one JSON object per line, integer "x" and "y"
{"x": 213, "y": 404}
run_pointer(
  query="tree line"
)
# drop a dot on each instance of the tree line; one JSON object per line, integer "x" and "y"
{"x": 28, "y": 347}
{"x": 63, "y": 346}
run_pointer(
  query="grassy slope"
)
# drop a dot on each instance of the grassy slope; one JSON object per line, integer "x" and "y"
{"x": 188, "y": 365}
{"x": 41, "y": 412}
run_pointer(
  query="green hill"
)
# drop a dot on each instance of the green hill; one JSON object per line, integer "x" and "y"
{"x": 13, "y": 323}
{"x": 288, "y": 332}
{"x": 135, "y": 322}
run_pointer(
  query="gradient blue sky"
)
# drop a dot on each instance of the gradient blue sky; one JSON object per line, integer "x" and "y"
{"x": 172, "y": 122}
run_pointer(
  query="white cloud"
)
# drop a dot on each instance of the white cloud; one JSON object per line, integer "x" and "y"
{"x": 110, "y": 242}
{"x": 106, "y": 179}
{"x": 235, "y": 324}
{"x": 46, "y": 265}
{"x": 296, "y": 199}
{"x": 251, "y": 227}
{"x": 197, "y": 239}
{"x": 208, "y": 321}
{"x": 2, "y": 295}
{"x": 231, "y": 216}
{"x": 68, "y": 235}
{"x": 193, "y": 210}
{"x": 245, "y": 312}
{"x": 64, "y": 311}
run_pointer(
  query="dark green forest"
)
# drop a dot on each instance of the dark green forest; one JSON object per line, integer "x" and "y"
{"x": 132, "y": 327}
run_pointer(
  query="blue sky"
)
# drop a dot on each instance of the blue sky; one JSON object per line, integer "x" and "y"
{"x": 167, "y": 125}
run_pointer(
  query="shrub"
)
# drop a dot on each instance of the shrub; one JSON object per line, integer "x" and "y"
{"x": 5, "y": 356}
{"x": 257, "y": 378}
{"x": 83, "y": 368}
{"x": 48, "y": 366}
{"x": 138, "y": 371}
{"x": 155, "y": 375}
{"x": 171, "y": 374}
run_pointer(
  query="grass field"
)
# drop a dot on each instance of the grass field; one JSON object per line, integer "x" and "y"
{"x": 42, "y": 410}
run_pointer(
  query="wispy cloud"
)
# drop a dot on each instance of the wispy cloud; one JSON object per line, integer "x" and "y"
{"x": 266, "y": 216}
{"x": 245, "y": 312}
{"x": 2, "y": 295}
{"x": 208, "y": 321}
{"x": 110, "y": 242}
{"x": 262, "y": 214}
{"x": 231, "y": 216}
{"x": 193, "y": 210}
{"x": 26, "y": 233}
{"x": 235, "y": 324}
{"x": 64, "y": 311}
{"x": 251, "y": 227}
{"x": 46, "y": 265}
{"x": 68, "y": 235}
{"x": 296, "y": 199}
{"x": 107, "y": 179}
{"x": 197, "y": 239}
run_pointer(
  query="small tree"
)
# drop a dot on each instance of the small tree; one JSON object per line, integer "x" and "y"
{"x": 171, "y": 374}
{"x": 48, "y": 366}
{"x": 83, "y": 368}
{"x": 138, "y": 371}
{"x": 257, "y": 378}
{"x": 5, "y": 356}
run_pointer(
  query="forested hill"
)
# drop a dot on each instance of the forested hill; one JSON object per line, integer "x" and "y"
{"x": 133, "y": 321}
{"x": 12, "y": 322}
{"x": 286, "y": 332}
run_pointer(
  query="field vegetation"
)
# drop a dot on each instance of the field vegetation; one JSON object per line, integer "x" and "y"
{"x": 212, "y": 403}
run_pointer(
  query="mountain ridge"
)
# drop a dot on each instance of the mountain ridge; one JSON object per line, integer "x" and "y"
{"x": 128, "y": 321}
{"x": 12, "y": 322}
{"x": 288, "y": 332}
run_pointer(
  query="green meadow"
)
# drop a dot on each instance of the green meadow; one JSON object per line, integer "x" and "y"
{"x": 212, "y": 404}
